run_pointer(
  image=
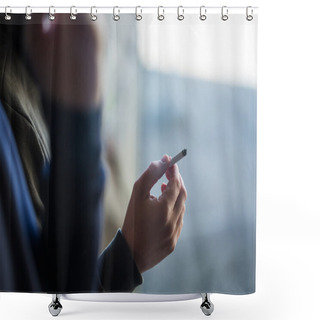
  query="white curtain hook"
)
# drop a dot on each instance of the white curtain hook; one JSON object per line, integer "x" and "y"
{"x": 224, "y": 13}
{"x": 249, "y": 17}
{"x": 28, "y": 13}
{"x": 160, "y": 16}
{"x": 203, "y": 13}
{"x": 180, "y": 15}
{"x": 93, "y": 16}
{"x": 73, "y": 13}
{"x": 52, "y": 11}
{"x": 116, "y": 17}
{"x": 7, "y": 10}
{"x": 138, "y": 16}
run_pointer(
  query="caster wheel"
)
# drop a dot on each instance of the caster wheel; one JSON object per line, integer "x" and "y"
{"x": 207, "y": 308}
{"x": 55, "y": 308}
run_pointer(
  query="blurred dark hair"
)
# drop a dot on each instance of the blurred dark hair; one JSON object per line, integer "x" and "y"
{"x": 17, "y": 88}
{"x": 10, "y": 47}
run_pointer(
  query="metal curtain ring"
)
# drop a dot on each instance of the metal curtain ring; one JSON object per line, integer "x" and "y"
{"x": 73, "y": 13}
{"x": 7, "y": 10}
{"x": 52, "y": 11}
{"x": 249, "y": 16}
{"x": 116, "y": 17}
{"x": 93, "y": 16}
{"x": 28, "y": 13}
{"x": 138, "y": 16}
{"x": 160, "y": 16}
{"x": 203, "y": 13}
{"x": 180, "y": 15}
{"x": 224, "y": 13}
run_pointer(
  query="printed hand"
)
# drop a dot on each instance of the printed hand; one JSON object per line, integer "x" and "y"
{"x": 153, "y": 225}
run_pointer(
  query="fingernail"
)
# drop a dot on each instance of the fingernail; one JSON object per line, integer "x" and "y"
{"x": 165, "y": 159}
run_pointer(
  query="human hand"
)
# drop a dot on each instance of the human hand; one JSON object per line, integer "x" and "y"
{"x": 153, "y": 225}
{"x": 64, "y": 57}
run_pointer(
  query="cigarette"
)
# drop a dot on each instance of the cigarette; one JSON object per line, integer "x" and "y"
{"x": 178, "y": 157}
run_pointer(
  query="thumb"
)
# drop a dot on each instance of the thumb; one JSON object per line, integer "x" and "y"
{"x": 153, "y": 173}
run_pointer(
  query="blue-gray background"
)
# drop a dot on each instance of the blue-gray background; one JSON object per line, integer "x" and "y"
{"x": 151, "y": 111}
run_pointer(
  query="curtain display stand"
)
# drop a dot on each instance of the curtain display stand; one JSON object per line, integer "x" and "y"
{"x": 206, "y": 306}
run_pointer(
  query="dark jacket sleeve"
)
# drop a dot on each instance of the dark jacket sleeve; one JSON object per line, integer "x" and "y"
{"x": 75, "y": 200}
{"x": 75, "y": 211}
{"x": 117, "y": 269}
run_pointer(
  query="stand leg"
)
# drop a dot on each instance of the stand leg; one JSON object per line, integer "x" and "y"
{"x": 55, "y": 306}
{"x": 206, "y": 305}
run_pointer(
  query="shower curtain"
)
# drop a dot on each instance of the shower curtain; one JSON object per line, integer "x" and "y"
{"x": 93, "y": 107}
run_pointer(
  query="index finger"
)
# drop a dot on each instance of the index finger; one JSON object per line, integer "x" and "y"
{"x": 153, "y": 173}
